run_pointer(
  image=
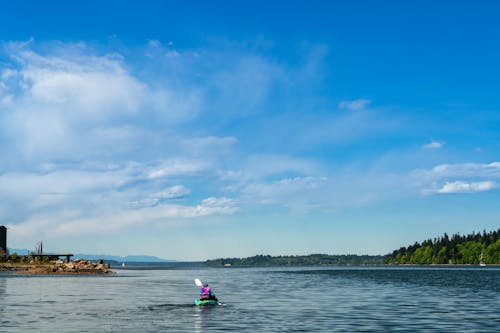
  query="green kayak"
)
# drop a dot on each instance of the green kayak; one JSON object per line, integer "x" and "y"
{"x": 205, "y": 302}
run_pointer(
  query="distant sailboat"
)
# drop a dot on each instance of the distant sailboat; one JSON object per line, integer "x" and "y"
{"x": 123, "y": 264}
{"x": 481, "y": 261}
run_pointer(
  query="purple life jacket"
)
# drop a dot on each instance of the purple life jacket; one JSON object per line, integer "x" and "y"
{"x": 205, "y": 293}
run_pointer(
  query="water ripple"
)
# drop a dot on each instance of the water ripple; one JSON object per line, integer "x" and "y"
{"x": 257, "y": 300}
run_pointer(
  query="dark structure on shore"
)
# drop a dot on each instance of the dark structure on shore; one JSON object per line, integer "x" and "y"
{"x": 39, "y": 256}
{"x": 3, "y": 241}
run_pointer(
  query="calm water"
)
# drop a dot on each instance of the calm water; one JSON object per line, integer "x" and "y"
{"x": 257, "y": 300}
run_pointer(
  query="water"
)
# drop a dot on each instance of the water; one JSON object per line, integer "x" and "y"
{"x": 256, "y": 300}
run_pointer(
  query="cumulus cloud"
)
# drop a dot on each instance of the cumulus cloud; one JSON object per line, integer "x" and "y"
{"x": 459, "y": 178}
{"x": 97, "y": 141}
{"x": 89, "y": 86}
{"x": 51, "y": 101}
{"x": 462, "y": 170}
{"x": 64, "y": 224}
{"x": 434, "y": 145}
{"x": 465, "y": 187}
{"x": 354, "y": 105}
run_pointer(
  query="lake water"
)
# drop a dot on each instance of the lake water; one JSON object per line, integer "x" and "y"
{"x": 256, "y": 300}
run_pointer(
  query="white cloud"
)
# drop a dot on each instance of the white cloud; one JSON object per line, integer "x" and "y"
{"x": 434, "y": 145}
{"x": 458, "y": 178}
{"x": 173, "y": 192}
{"x": 285, "y": 191}
{"x": 256, "y": 170}
{"x": 81, "y": 84}
{"x": 170, "y": 193}
{"x": 462, "y": 170}
{"x": 97, "y": 144}
{"x": 177, "y": 168}
{"x": 54, "y": 102}
{"x": 60, "y": 181}
{"x": 465, "y": 187}
{"x": 217, "y": 202}
{"x": 69, "y": 223}
{"x": 354, "y": 105}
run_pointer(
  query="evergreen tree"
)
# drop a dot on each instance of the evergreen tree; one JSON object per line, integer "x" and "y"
{"x": 457, "y": 250}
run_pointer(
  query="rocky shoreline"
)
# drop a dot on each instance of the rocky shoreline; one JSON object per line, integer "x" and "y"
{"x": 75, "y": 267}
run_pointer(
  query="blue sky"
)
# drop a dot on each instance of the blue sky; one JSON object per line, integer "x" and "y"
{"x": 214, "y": 129}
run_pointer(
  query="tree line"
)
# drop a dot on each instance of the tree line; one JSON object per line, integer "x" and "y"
{"x": 457, "y": 249}
{"x": 306, "y": 260}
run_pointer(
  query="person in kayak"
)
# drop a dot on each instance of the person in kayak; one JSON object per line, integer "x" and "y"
{"x": 206, "y": 293}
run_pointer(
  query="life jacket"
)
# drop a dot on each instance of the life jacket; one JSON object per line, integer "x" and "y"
{"x": 205, "y": 293}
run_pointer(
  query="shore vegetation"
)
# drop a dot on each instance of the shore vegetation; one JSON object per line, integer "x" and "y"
{"x": 305, "y": 260}
{"x": 471, "y": 249}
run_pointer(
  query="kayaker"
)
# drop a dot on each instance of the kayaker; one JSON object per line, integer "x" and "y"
{"x": 206, "y": 293}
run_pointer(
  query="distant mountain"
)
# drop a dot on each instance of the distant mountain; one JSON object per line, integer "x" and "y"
{"x": 121, "y": 259}
{"x": 21, "y": 252}
{"x": 94, "y": 257}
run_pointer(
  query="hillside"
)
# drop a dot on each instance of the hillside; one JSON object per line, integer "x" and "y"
{"x": 456, "y": 249}
{"x": 307, "y": 260}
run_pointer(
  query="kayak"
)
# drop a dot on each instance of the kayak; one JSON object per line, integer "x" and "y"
{"x": 205, "y": 302}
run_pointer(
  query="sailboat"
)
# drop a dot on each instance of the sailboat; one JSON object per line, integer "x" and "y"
{"x": 481, "y": 261}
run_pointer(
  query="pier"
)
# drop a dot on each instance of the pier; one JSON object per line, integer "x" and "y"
{"x": 40, "y": 257}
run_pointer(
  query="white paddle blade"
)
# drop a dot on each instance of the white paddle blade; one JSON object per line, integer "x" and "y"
{"x": 198, "y": 282}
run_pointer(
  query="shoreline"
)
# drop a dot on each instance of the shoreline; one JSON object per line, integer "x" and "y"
{"x": 360, "y": 266}
{"x": 76, "y": 267}
{"x": 99, "y": 269}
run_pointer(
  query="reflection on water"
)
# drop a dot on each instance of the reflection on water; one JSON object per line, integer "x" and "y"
{"x": 258, "y": 300}
{"x": 202, "y": 319}
{"x": 3, "y": 289}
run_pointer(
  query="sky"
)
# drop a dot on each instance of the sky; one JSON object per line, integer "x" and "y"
{"x": 196, "y": 130}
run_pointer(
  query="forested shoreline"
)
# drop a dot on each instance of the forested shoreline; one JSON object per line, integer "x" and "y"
{"x": 305, "y": 260}
{"x": 456, "y": 250}
{"x": 445, "y": 250}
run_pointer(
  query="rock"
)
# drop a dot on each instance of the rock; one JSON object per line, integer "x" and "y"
{"x": 78, "y": 266}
